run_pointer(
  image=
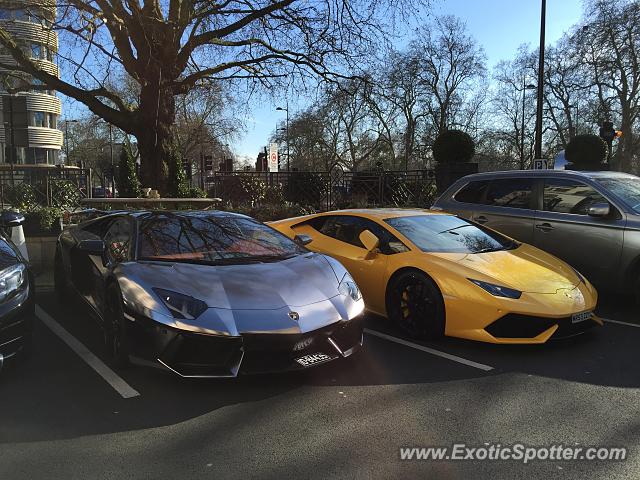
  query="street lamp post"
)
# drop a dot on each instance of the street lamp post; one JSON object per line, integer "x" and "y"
{"x": 286, "y": 109}
{"x": 525, "y": 87}
{"x": 538, "y": 144}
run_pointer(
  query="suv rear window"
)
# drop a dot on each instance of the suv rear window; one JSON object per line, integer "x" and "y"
{"x": 472, "y": 192}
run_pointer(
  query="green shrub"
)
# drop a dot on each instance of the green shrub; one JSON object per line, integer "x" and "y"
{"x": 177, "y": 182}
{"x": 128, "y": 182}
{"x": 44, "y": 218}
{"x": 305, "y": 188}
{"x": 22, "y": 196}
{"x": 453, "y": 146}
{"x": 271, "y": 212}
{"x": 195, "y": 192}
{"x": 244, "y": 190}
{"x": 586, "y": 152}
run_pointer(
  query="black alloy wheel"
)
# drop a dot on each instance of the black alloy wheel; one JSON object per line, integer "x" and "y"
{"x": 415, "y": 303}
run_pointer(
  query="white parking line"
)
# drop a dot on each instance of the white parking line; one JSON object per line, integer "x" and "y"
{"x": 118, "y": 384}
{"x": 618, "y": 322}
{"x": 432, "y": 351}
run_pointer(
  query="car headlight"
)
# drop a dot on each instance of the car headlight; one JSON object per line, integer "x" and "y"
{"x": 12, "y": 280}
{"x": 181, "y": 306}
{"x": 348, "y": 288}
{"x": 497, "y": 290}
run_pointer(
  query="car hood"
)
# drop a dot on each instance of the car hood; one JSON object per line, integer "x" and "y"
{"x": 525, "y": 268}
{"x": 298, "y": 281}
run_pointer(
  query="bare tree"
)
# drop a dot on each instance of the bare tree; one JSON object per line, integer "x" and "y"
{"x": 611, "y": 48}
{"x": 168, "y": 47}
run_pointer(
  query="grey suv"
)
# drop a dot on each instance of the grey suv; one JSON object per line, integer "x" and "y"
{"x": 589, "y": 219}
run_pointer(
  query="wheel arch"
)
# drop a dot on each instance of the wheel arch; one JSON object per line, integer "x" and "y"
{"x": 407, "y": 269}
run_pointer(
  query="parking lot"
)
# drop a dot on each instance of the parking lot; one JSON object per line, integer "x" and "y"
{"x": 66, "y": 415}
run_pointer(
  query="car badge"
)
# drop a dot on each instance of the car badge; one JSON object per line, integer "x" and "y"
{"x": 294, "y": 316}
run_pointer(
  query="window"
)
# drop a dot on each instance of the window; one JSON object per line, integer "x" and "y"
{"x": 569, "y": 196}
{"x": 38, "y": 119}
{"x": 627, "y": 188}
{"x": 94, "y": 230}
{"x": 53, "y": 120}
{"x": 510, "y": 192}
{"x": 211, "y": 239}
{"x": 347, "y": 229}
{"x": 472, "y": 193}
{"x": 37, "y": 50}
{"x": 447, "y": 233}
{"x": 118, "y": 240}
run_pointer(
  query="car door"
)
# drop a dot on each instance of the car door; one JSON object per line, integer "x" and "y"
{"x": 563, "y": 227}
{"x": 338, "y": 237}
{"x": 118, "y": 242}
{"x": 84, "y": 270}
{"x": 508, "y": 207}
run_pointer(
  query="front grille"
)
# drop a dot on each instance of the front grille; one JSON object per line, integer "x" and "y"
{"x": 514, "y": 325}
{"x": 195, "y": 354}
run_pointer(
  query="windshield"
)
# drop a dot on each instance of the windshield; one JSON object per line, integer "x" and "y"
{"x": 626, "y": 188}
{"x": 211, "y": 239}
{"x": 446, "y": 233}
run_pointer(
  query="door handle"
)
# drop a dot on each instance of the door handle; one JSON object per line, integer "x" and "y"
{"x": 545, "y": 227}
{"x": 482, "y": 219}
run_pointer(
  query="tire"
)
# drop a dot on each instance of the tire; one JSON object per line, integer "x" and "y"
{"x": 117, "y": 341}
{"x": 60, "y": 277}
{"x": 415, "y": 304}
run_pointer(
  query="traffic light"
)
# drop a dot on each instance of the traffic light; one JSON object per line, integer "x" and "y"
{"x": 618, "y": 133}
{"x": 208, "y": 163}
{"x": 607, "y": 133}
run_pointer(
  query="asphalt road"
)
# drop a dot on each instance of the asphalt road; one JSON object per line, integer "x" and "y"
{"x": 60, "y": 419}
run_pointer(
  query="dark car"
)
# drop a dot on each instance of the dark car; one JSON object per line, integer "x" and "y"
{"x": 589, "y": 219}
{"x": 209, "y": 294}
{"x": 17, "y": 295}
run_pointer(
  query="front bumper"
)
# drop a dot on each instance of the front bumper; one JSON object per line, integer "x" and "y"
{"x": 16, "y": 324}
{"x": 199, "y": 355}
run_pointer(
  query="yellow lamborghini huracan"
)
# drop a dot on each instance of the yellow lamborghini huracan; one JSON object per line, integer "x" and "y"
{"x": 436, "y": 274}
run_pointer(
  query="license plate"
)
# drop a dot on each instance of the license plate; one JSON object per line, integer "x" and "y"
{"x": 313, "y": 359}
{"x": 581, "y": 317}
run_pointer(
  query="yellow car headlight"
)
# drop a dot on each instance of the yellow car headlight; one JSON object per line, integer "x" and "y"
{"x": 497, "y": 290}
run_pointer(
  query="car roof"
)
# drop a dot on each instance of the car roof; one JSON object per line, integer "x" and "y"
{"x": 382, "y": 213}
{"x": 144, "y": 214}
{"x": 555, "y": 173}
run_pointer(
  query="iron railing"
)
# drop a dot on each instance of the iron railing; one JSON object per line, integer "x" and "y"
{"x": 43, "y": 185}
{"x": 326, "y": 190}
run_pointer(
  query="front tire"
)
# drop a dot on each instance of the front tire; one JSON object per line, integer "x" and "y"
{"x": 117, "y": 340}
{"x": 415, "y": 304}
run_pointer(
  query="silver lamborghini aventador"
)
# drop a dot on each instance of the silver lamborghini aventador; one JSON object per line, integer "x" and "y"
{"x": 209, "y": 294}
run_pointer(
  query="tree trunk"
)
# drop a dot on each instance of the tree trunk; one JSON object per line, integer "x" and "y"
{"x": 154, "y": 135}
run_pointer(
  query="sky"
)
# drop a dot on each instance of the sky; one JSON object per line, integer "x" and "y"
{"x": 499, "y": 26}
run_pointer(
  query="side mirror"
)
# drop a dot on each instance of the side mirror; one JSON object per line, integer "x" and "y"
{"x": 599, "y": 210}
{"x": 302, "y": 239}
{"x": 92, "y": 247}
{"x": 9, "y": 219}
{"x": 370, "y": 242}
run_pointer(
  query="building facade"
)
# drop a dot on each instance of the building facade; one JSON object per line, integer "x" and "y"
{"x": 30, "y": 113}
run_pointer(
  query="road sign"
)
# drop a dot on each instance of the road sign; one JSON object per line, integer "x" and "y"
{"x": 542, "y": 164}
{"x": 273, "y": 157}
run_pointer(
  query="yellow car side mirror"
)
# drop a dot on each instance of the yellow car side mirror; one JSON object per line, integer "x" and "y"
{"x": 370, "y": 242}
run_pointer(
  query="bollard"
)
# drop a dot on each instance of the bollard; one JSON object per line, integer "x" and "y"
{"x": 17, "y": 237}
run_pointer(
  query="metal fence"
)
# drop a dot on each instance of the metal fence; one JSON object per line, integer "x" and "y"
{"x": 326, "y": 190}
{"x": 43, "y": 185}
